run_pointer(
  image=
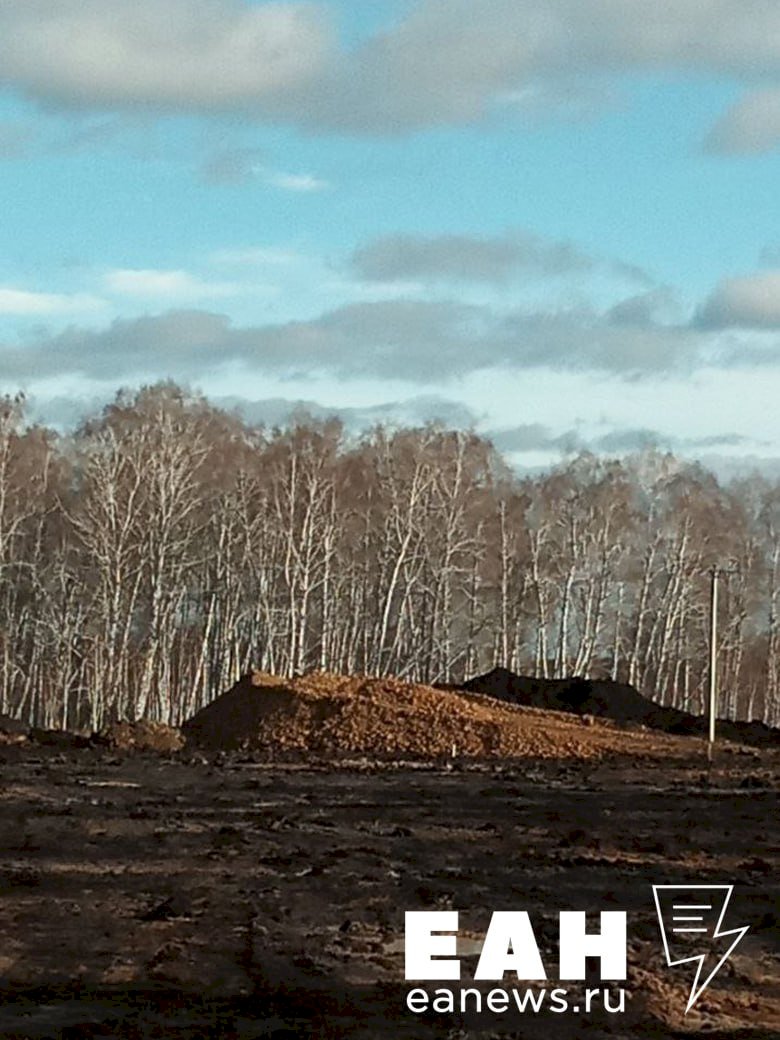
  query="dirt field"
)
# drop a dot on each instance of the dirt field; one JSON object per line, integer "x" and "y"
{"x": 200, "y": 895}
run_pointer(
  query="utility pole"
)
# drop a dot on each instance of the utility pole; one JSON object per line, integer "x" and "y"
{"x": 716, "y": 573}
{"x": 713, "y": 675}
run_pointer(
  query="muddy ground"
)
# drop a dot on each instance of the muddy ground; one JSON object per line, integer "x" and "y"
{"x": 226, "y": 896}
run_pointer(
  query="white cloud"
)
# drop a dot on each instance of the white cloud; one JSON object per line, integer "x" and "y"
{"x": 410, "y": 411}
{"x": 243, "y": 165}
{"x": 451, "y": 61}
{"x": 172, "y": 285}
{"x": 751, "y": 302}
{"x": 415, "y": 341}
{"x": 25, "y": 303}
{"x": 176, "y": 54}
{"x": 752, "y": 125}
{"x": 447, "y": 61}
{"x": 301, "y": 182}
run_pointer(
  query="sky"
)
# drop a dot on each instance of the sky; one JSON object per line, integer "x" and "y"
{"x": 555, "y": 221}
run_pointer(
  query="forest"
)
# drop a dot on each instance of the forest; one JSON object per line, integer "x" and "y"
{"x": 165, "y": 547}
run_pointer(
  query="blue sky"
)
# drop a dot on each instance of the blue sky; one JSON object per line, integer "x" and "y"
{"x": 558, "y": 221}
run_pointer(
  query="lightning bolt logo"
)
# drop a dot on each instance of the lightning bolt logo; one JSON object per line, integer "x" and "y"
{"x": 690, "y": 918}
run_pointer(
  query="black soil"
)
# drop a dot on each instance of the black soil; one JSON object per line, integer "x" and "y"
{"x": 603, "y": 698}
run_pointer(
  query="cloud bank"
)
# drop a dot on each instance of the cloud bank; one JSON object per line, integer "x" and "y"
{"x": 411, "y": 340}
{"x": 446, "y": 62}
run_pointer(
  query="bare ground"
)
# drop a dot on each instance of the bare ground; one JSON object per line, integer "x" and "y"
{"x": 190, "y": 895}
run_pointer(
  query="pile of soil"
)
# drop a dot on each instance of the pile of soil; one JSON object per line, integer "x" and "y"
{"x": 618, "y": 701}
{"x": 605, "y": 699}
{"x": 142, "y": 736}
{"x": 330, "y": 714}
{"x": 12, "y": 731}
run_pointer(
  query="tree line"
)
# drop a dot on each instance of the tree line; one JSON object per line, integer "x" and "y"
{"x": 165, "y": 547}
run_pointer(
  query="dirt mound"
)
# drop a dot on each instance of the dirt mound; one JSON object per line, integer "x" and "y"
{"x": 142, "y": 736}
{"x": 605, "y": 699}
{"x": 12, "y": 731}
{"x": 387, "y": 717}
{"x": 11, "y": 727}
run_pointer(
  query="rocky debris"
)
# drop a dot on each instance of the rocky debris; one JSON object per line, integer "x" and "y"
{"x": 142, "y": 736}
{"x": 333, "y": 714}
{"x": 604, "y": 699}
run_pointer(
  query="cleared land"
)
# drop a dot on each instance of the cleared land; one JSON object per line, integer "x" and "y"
{"x": 230, "y": 895}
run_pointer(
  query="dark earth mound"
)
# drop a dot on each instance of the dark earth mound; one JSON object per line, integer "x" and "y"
{"x": 613, "y": 700}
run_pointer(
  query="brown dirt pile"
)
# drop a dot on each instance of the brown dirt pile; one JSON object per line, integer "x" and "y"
{"x": 142, "y": 736}
{"x": 349, "y": 714}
